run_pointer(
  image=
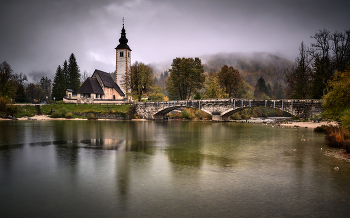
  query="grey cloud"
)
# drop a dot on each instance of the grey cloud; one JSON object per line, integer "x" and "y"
{"x": 38, "y": 35}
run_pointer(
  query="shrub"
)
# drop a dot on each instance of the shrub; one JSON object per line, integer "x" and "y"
{"x": 336, "y": 136}
{"x": 69, "y": 115}
{"x": 63, "y": 112}
{"x": 55, "y": 114}
{"x": 187, "y": 113}
{"x": 236, "y": 116}
{"x": 322, "y": 128}
{"x": 91, "y": 117}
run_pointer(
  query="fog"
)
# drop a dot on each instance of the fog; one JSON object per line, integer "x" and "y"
{"x": 38, "y": 35}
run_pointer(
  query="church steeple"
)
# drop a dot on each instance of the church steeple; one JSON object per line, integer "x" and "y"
{"x": 123, "y": 41}
{"x": 123, "y": 60}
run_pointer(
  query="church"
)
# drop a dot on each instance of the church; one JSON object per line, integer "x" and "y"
{"x": 100, "y": 88}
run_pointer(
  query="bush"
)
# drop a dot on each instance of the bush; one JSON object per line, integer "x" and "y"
{"x": 91, "y": 117}
{"x": 197, "y": 96}
{"x": 55, "y": 114}
{"x": 322, "y": 128}
{"x": 236, "y": 116}
{"x": 187, "y": 113}
{"x": 69, "y": 115}
{"x": 336, "y": 136}
{"x": 63, "y": 112}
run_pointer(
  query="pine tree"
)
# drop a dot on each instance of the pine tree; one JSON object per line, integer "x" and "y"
{"x": 65, "y": 74}
{"x": 73, "y": 74}
{"x": 59, "y": 84}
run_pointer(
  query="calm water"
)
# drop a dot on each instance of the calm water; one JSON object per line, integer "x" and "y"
{"x": 167, "y": 169}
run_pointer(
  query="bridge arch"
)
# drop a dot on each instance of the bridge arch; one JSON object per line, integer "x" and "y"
{"x": 226, "y": 114}
{"x": 163, "y": 112}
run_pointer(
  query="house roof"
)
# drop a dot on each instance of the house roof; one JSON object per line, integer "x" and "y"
{"x": 90, "y": 85}
{"x": 108, "y": 81}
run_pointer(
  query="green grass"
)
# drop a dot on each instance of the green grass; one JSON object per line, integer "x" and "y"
{"x": 63, "y": 109}
{"x": 85, "y": 108}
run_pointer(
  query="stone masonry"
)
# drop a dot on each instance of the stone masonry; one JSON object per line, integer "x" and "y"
{"x": 222, "y": 109}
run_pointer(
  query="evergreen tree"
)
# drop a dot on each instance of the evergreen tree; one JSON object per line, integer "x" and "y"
{"x": 65, "y": 74}
{"x": 73, "y": 77}
{"x": 59, "y": 85}
{"x": 261, "y": 90}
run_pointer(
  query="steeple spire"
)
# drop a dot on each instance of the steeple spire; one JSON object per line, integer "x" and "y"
{"x": 123, "y": 40}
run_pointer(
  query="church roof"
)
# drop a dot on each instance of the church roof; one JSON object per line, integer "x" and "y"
{"x": 90, "y": 85}
{"x": 108, "y": 81}
{"x": 123, "y": 41}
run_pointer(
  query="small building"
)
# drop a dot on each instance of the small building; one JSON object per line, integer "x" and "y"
{"x": 100, "y": 88}
{"x": 97, "y": 89}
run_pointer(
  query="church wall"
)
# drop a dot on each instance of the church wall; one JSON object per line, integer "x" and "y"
{"x": 122, "y": 64}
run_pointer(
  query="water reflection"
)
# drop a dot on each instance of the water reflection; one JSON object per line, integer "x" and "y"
{"x": 145, "y": 169}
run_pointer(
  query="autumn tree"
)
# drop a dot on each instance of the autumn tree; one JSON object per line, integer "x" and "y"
{"x": 141, "y": 79}
{"x": 336, "y": 102}
{"x": 186, "y": 77}
{"x": 156, "y": 93}
{"x": 230, "y": 80}
{"x": 299, "y": 78}
{"x": 212, "y": 87}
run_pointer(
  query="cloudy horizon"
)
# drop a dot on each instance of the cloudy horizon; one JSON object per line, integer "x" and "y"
{"x": 39, "y": 35}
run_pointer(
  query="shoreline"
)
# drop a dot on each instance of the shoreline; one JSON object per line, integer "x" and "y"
{"x": 289, "y": 124}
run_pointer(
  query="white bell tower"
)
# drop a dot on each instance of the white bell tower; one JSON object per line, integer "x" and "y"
{"x": 123, "y": 59}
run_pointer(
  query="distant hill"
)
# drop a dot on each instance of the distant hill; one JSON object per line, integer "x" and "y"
{"x": 251, "y": 66}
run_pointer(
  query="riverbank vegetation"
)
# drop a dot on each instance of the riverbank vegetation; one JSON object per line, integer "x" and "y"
{"x": 189, "y": 114}
{"x": 259, "y": 112}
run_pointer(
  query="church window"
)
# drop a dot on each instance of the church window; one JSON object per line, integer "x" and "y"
{"x": 121, "y": 54}
{"x": 128, "y": 54}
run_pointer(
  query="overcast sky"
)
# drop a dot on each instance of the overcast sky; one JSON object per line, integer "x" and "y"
{"x": 38, "y": 35}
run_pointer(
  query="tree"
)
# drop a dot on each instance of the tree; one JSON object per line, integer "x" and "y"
{"x": 73, "y": 77}
{"x": 45, "y": 85}
{"x": 156, "y": 94}
{"x": 141, "y": 79}
{"x": 336, "y": 101}
{"x": 7, "y": 87}
{"x": 186, "y": 77}
{"x": 19, "y": 81}
{"x": 261, "y": 91}
{"x": 59, "y": 84}
{"x": 212, "y": 87}
{"x": 299, "y": 78}
{"x": 84, "y": 76}
{"x": 34, "y": 92}
{"x": 340, "y": 45}
{"x": 320, "y": 52}
{"x": 230, "y": 80}
{"x": 277, "y": 91}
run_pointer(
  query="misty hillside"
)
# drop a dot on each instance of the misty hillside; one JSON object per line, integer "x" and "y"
{"x": 251, "y": 66}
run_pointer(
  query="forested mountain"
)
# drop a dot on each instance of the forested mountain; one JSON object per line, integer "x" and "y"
{"x": 251, "y": 66}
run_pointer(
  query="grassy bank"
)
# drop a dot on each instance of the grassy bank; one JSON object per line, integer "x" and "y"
{"x": 70, "y": 110}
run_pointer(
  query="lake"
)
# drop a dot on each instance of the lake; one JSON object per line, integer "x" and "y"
{"x": 168, "y": 169}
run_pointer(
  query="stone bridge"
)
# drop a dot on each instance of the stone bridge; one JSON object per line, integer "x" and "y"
{"x": 222, "y": 109}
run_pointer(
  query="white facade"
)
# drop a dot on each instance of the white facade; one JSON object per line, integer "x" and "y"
{"x": 123, "y": 64}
